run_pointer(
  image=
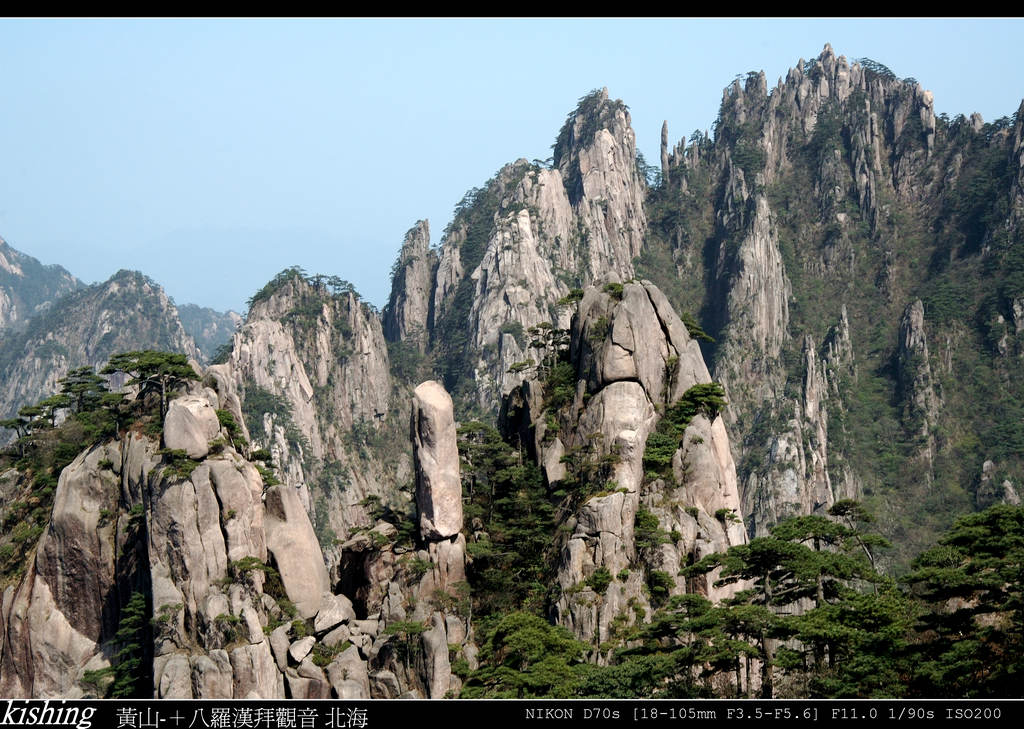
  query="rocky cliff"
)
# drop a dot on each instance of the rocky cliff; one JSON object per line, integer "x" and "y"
{"x": 407, "y": 315}
{"x": 311, "y": 368}
{"x": 819, "y": 212}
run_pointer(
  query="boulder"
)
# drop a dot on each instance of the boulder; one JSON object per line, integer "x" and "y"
{"x": 301, "y": 648}
{"x": 190, "y": 424}
{"x": 334, "y": 610}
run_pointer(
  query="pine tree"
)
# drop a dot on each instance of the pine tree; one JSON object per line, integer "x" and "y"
{"x": 972, "y": 635}
{"x": 153, "y": 371}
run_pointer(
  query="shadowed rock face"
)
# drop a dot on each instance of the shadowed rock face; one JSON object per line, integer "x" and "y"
{"x": 438, "y": 489}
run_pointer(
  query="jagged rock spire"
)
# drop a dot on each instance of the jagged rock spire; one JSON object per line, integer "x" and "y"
{"x": 664, "y": 151}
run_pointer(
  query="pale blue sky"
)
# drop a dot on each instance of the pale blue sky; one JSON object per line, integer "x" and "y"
{"x": 210, "y": 154}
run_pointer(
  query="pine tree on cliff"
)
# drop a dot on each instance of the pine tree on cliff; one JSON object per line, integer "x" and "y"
{"x": 153, "y": 371}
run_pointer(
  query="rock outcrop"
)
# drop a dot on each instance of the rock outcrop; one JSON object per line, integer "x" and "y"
{"x": 793, "y": 471}
{"x": 415, "y": 597}
{"x": 242, "y": 602}
{"x": 863, "y": 147}
{"x": 633, "y": 357}
{"x": 516, "y": 247}
{"x": 921, "y": 401}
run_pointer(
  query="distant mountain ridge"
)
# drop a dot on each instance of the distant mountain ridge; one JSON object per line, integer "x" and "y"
{"x": 51, "y": 322}
{"x": 27, "y": 286}
{"x": 127, "y": 312}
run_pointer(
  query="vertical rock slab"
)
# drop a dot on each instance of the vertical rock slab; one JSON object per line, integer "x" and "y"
{"x": 292, "y": 542}
{"x": 436, "y": 453}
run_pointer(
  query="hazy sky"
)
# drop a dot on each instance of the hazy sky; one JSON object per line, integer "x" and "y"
{"x": 210, "y": 154}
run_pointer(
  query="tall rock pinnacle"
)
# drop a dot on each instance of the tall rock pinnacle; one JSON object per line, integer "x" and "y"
{"x": 436, "y": 452}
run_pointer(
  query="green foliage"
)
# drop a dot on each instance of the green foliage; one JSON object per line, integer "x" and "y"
{"x": 418, "y": 567}
{"x": 268, "y": 476}
{"x": 229, "y": 626}
{"x": 647, "y": 534}
{"x": 572, "y": 297}
{"x": 408, "y": 644}
{"x": 551, "y": 345}
{"x": 512, "y": 566}
{"x": 521, "y": 366}
{"x": 323, "y": 654}
{"x": 223, "y": 353}
{"x": 178, "y": 463}
{"x": 706, "y": 399}
{"x": 973, "y": 586}
{"x": 227, "y": 421}
{"x": 153, "y": 372}
{"x": 276, "y": 284}
{"x": 241, "y": 572}
{"x": 876, "y": 69}
{"x": 615, "y": 290}
{"x": 405, "y": 522}
{"x": 514, "y": 328}
{"x": 560, "y": 386}
{"x": 815, "y": 559}
{"x": 727, "y": 516}
{"x": 129, "y": 673}
{"x": 407, "y": 363}
{"x": 659, "y": 583}
{"x": 827, "y": 135}
{"x": 748, "y": 154}
{"x": 694, "y": 329}
{"x": 599, "y": 580}
{"x": 43, "y": 449}
{"x": 163, "y": 620}
{"x": 592, "y": 113}
{"x": 258, "y": 401}
{"x": 599, "y": 330}
{"x": 524, "y": 657}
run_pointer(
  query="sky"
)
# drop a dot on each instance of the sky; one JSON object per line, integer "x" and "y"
{"x": 211, "y": 154}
